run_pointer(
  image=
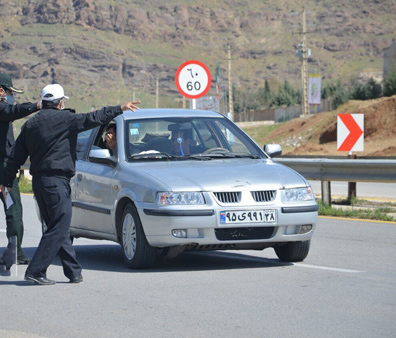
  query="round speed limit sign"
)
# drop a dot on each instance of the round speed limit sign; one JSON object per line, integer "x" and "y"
{"x": 193, "y": 79}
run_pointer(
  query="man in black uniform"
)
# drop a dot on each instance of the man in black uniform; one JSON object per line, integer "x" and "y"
{"x": 50, "y": 139}
{"x": 10, "y": 112}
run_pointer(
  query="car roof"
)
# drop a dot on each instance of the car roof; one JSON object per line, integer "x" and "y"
{"x": 157, "y": 113}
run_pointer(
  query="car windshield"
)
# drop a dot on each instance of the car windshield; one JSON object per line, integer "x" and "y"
{"x": 187, "y": 138}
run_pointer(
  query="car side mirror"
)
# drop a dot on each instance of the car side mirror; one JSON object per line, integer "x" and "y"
{"x": 273, "y": 150}
{"x": 101, "y": 156}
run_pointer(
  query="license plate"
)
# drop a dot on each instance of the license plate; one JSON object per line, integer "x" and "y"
{"x": 254, "y": 216}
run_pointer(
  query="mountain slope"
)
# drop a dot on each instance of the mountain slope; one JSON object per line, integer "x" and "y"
{"x": 101, "y": 50}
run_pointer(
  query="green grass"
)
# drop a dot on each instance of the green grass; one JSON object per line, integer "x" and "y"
{"x": 25, "y": 185}
{"x": 380, "y": 213}
{"x": 260, "y": 134}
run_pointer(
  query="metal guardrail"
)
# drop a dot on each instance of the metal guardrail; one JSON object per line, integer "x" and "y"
{"x": 347, "y": 170}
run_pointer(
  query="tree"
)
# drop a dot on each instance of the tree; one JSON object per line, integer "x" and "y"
{"x": 265, "y": 95}
{"x": 374, "y": 89}
{"x": 286, "y": 96}
{"x": 340, "y": 94}
{"x": 390, "y": 83}
{"x": 359, "y": 92}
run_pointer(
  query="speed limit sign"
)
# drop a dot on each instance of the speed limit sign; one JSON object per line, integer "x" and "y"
{"x": 193, "y": 79}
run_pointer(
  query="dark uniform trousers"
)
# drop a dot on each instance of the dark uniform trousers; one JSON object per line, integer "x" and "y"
{"x": 14, "y": 212}
{"x": 54, "y": 200}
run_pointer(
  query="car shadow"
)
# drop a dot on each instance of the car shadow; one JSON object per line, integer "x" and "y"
{"x": 108, "y": 257}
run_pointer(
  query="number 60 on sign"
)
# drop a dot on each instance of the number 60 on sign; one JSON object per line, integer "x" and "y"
{"x": 193, "y": 79}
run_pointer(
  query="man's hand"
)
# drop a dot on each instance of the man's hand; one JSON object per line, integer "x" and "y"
{"x": 3, "y": 190}
{"x": 130, "y": 105}
{"x": 111, "y": 141}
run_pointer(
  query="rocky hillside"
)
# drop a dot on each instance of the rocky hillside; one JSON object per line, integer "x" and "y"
{"x": 101, "y": 50}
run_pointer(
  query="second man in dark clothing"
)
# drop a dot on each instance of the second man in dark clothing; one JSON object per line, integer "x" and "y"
{"x": 9, "y": 112}
{"x": 50, "y": 139}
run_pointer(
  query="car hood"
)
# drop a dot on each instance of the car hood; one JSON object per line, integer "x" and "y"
{"x": 220, "y": 175}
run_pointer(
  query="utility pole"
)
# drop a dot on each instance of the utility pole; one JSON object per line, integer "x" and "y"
{"x": 156, "y": 93}
{"x": 230, "y": 101}
{"x": 304, "y": 67}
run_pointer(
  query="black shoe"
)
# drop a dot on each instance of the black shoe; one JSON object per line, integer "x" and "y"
{"x": 76, "y": 279}
{"x": 39, "y": 280}
{"x": 23, "y": 260}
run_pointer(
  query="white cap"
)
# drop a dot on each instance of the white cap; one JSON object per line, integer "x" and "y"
{"x": 53, "y": 92}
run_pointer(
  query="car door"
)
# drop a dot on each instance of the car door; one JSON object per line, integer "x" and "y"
{"x": 95, "y": 190}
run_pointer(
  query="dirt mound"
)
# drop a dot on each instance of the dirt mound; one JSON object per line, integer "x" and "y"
{"x": 317, "y": 134}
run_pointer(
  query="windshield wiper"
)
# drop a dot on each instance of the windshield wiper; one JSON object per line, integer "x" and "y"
{"x": 152, "y": 155}
{"x": 231, "y": 155}
{"x": 162, "y": 155}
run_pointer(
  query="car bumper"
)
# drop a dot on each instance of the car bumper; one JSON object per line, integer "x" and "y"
{"x": 203, "y": 227}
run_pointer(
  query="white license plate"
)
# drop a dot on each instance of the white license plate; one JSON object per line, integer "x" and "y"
{"x": 253, "y": 216}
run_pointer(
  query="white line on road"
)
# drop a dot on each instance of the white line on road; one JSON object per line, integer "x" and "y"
{"x": 2, "y": 230}
{"x": 326, "y": 268}
{"x": 275, "y": 262}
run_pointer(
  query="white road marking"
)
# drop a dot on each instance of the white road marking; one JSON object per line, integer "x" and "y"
{"x": 248, "y": 257}
{"x": 302, "y": 265}
{"x": 2, "y": 230}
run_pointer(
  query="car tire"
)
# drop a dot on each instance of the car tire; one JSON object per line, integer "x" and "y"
{"x": 138, "y": 254}
{"x": 293, "y": 251}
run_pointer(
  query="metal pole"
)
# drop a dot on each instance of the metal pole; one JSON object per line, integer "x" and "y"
{"x": 230, "y": 101}
{"x": 156, "y": 93}
{"x": 305, "y": 68}
{"x": 351, "y": 185}
{"x": 326, "y": 192}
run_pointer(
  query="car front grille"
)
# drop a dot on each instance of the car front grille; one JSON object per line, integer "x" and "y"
{"x": 228, "y": 197}
{"x": 264, "y": 196}
{"x": 240, "y": 234}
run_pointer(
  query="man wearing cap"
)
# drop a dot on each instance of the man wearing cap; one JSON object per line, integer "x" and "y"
{"x": 9, "y": 112}
{"x": 50, "y": 139}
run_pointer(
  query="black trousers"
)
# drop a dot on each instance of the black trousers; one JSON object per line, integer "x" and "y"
{"x": 54, "y": 201}
{"x": 14, "y": 212}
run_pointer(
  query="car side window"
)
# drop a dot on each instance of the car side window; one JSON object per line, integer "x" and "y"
{"x": 82, "y": 143}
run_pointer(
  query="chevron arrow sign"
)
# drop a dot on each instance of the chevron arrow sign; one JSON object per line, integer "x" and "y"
{"x": 350, "y": 132}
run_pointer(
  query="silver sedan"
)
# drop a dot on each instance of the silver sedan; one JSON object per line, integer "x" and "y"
{"x": 180, "y": 180}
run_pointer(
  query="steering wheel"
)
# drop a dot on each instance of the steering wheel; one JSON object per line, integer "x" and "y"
{"x": 217, "y": 150}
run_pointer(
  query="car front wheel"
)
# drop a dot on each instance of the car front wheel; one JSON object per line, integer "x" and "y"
{"x": 293, "y": 251}
{"x": 138, "y": 254}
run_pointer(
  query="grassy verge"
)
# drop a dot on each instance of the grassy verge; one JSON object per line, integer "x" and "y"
{"x": 378, "y": 213}
{"x": 25, "y": 185}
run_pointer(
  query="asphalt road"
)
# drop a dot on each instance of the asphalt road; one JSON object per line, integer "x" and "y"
{"x": 345, "y": 288}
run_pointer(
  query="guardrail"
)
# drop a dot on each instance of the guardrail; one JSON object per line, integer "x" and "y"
{"x": 347, "y": 170}
{"x": 350, "y": 170}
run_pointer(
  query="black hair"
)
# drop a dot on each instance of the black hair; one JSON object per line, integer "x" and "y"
{"x": 50, "y": 104}
{"x": 111, "y": 125}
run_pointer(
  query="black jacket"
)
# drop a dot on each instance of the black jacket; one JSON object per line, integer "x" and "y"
{"x": 50, "y": 139}
{"x": 8, "y": 114}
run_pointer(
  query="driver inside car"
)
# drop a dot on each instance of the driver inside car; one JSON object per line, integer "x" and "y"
{"x": 111, "y": 138}
{"x": 181, "y": 140}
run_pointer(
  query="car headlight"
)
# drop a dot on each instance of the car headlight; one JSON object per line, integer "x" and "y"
{"x": 180, "y": 198}
{"x": 299, "y": 194}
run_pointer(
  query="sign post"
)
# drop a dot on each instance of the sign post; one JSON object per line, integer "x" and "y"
{"x": 193, "y": 80}
{"x": 350, "y": 137}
